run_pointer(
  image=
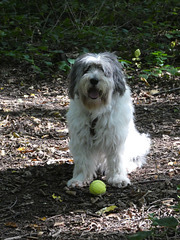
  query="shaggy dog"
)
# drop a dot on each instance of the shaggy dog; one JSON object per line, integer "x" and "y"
{"x": 101, "y": 124}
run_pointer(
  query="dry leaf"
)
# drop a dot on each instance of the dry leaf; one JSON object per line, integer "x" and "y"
{"x": 34, "y": 226}
{"x": 153, "y": 91}
{"x": 64, "y": 149}
{"x": 2, "y": 152}
{"x": 146, "y": 82}
{"x": 11, "y": 224}
{"x": 21, "y": 149}
{"x": 172, "y": 163}
{"x": 43, "y": 218}
{"x": 6, "y": 110}
{"x": 45, "y": 136}
{"x": 16, "y": 135}
{"x": 24, "y": 150}
{"x": 71, "y": 160}
{"x": 57, "y": 224}
{"x": 57, "y": 197}
{"x": 106, "y": 209}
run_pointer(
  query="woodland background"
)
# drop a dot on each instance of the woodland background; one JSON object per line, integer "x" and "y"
{"x": 42, "y": 32}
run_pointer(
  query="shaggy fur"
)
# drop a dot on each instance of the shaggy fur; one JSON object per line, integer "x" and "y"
{"x": 101, "y": 124}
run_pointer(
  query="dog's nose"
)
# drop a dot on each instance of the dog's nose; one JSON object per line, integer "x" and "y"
{"x": 94, "y": 81}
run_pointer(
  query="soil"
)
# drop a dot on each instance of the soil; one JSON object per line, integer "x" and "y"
{"x": 36, "y": 164}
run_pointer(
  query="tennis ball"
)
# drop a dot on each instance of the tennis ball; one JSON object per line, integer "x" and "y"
{"x": 97, "y": 187}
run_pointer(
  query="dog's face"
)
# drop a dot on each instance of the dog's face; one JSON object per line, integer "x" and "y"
{"x": 94, "y": 78}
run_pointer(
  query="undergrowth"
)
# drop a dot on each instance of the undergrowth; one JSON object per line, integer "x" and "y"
{"x": 41, "y": 33}
{"x": 160, "y": 227}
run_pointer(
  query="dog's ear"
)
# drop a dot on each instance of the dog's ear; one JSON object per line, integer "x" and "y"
{"x": 117, "y": 73}
{"x": 76, "y": 73}
{"x": 119, "y": 78}
{"x": 72, "y": 82}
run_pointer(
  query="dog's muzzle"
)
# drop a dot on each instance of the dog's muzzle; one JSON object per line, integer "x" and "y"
{"x": 94, "y": 92}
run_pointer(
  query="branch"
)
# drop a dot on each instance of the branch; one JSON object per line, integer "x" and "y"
{"x": 166, "y": 91}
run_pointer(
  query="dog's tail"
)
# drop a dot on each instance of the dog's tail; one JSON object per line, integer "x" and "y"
{"x": 137, "y": 146}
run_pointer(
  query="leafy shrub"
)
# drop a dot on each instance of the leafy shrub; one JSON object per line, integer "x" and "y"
{"x": 165, "y": 223}
{"x": 39, "y": 32}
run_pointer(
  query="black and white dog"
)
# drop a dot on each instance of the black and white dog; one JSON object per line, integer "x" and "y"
{"x": 101, "y": 124}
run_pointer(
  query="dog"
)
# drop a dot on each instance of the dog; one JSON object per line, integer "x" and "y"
{"x": 101, "y": 125}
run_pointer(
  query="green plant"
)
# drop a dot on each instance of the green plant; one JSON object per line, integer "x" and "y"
{"x": 157, "y": 72}
{"x": 37, "y": 33}
{"x": 136, "y": 58}
{"x": 165, "y": 223}
{"x": 65, "y": 66}
{"x": 157, "y": 58}
{"x": 177, "y": 207}
{"x": 157, "y": 66}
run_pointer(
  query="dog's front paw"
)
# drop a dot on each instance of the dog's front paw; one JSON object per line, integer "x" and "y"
{"x": 119, "y": 181}
{"x": 77, "y": 181}
{"x": 74, "y": 182}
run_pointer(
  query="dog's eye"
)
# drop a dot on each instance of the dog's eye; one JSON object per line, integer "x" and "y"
{"x": 100, "y": 68}
{"x": 86, "y": 69}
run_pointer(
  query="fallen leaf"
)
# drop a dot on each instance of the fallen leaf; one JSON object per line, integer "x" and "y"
{"x": 34, "y": 160}
{"x": 21, "y": 149}
{"x": 34, "y": 226}
{"x": 57, "y": 224}
{"x": 6, "y": 110}
{"x": 57, "y": 197}
{"x": 2, "y": 152}
{"x": 24, "y": 150}
{"x": 106, "y": 209}
{"x": 71, "y": 160}
{"x": 172, "y": 163}
{"x": 11, "y": 224}
{"x": 153, "y": 91}
{"x": 43, "y": 218}
{"x": 45, "y": 136}
{"x": 146, "y": 82}
{"x": 16, "y": 135}
{"x": 64, "y": 148}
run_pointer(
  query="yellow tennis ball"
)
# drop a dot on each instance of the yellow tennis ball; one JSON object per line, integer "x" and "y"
{"x": 97, "y": 187}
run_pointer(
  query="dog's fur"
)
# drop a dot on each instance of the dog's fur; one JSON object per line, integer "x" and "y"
{"x": 101, "y": 124}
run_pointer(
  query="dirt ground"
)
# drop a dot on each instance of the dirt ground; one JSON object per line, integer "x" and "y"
{"x": 36, "y": 164}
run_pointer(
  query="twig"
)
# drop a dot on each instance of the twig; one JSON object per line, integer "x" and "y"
{"x": 9, "y": 207}
{"x": 166, "y": 91}
{"x": 151, "y": 181}
{"x": 16, "y": 237}
{"x": 56, "y": 234}
{"x": 13, "y": 204}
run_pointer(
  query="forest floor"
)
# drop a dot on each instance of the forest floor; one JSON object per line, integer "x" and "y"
{"x": 36, "y": 164}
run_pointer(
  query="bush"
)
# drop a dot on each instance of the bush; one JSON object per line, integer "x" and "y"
{"x": 39, "y": 32}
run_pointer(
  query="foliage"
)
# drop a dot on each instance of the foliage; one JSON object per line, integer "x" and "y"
{"x": 156, "y": 61}
{"x": 165, "y": 223}
{"x": 40, "y": 32}
{"x": 177, "y": 207}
